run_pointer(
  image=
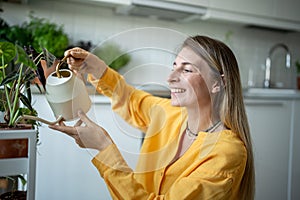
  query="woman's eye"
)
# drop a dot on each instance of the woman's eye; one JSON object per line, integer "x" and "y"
{"x": 187, "y": 71}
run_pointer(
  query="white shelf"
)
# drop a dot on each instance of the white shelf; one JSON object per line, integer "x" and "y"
{"x": 15, "y": 166}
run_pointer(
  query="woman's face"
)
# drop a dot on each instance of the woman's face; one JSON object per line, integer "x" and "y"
{"x": 189, "y": 80}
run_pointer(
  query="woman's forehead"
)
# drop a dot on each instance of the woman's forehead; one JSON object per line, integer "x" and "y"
{"x": 188, "y": 55}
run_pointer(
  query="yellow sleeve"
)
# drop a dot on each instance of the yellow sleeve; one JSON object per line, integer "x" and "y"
{"x": 133, "y": 105}
{"x": 121, "y": 182}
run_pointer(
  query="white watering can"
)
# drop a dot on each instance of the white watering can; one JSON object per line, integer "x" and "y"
{"x": 66, "y": 95}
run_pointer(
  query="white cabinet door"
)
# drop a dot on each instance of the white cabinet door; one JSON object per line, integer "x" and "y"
{"x": 65, "y": 171}
{"x": 288, "y": 10}
{"x": 295, "y": 192}
{"x": 266, "y": 13}
{"x": 254, "y": 7}
{"x": 127, "y": 138}
{"x": 270, "y": 129}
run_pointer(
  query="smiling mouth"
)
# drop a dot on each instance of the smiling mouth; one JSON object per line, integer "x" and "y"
{"x": 177, "y": 90}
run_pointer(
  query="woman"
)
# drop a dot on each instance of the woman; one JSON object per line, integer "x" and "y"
{"x": 197, "y": 145}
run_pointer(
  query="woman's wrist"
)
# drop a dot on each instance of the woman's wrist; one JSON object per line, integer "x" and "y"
{"x": 97, "y": 74}
{"x": 105, "y": 141}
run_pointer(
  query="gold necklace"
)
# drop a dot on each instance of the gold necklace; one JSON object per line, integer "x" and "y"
{"x": 210, "y": 129}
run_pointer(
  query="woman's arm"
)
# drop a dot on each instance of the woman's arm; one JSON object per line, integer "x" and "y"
{"x": 122, "y": 183}
{"x": 133, "y": 105}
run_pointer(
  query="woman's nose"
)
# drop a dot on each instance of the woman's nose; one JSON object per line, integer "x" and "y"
{"x": 173, "y": 76}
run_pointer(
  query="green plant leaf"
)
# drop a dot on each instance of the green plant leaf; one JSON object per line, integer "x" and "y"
{"x": 49, "y": 58}
{"x": 11, "y": 77}
{"x": 7, "y": 50}
{"x": 120, "y": 62}
{"x": 26, "y": 101}
{"x": 29, "y": 77}
{"x": 112, "y": 55}
{"x": 46, "y": 34}
{"x": 28, "y": 91}
{"x": 22, "y": 57}
{"x": 23, "y": 180}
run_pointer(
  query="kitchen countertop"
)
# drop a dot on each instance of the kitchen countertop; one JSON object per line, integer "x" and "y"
{"x": 163, "y": 91}
{"x": 157, "y": 90}
{"x": 271, "y": 93}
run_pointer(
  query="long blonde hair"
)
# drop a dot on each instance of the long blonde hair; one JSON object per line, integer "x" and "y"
{"x": 232, "y": 111}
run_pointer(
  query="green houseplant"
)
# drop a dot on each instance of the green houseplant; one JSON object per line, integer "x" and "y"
{"x": 39, "y": 33}
{"x": 16, "y": 84}
{"x": 111, "y": 54}
{"x": 16, "y": 101}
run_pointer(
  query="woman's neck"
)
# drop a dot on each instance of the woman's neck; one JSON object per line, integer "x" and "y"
{"x": 199, "y": 119}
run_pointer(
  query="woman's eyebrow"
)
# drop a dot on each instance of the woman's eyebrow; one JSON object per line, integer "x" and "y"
{"x": 183, "y": 64}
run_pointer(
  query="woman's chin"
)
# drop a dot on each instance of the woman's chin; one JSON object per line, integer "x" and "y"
{"x": 175, "y": 103}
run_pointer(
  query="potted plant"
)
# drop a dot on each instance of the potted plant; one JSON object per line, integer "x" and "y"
{"x": 39, "y": 33}
{"x": 16, "y": 84}
{"x": 9, "y": 183}
{"x": 298, "y": 73}
{"x": 16, "y": 96}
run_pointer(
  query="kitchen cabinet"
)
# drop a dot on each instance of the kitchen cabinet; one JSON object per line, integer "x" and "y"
{"x": 295, "y": 175}
{"x": 274, "y": 127}
{"x": 270, "y": 130}
{"x": 64, "y": 170}
{"x": 288, "y": 10}
{"x": 267, "y": 13}
{"x": 254, "y": 7}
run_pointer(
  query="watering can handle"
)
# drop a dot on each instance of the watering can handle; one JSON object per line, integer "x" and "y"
{"x": 59, "y": 64}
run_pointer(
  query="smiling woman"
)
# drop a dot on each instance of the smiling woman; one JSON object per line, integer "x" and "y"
{"x": 193, "y": 73}
{"x": 197, "y": 144}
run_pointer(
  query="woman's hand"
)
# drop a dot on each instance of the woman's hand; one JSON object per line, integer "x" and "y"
{"x": 88, "y": 136}
{"x": 81, "y": 61}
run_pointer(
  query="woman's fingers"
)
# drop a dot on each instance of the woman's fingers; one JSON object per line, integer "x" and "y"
{"x": 78, "y": 123}
{"x": 76, "y": 53}
{"x": 71, "y": 131}
{"x": 76, "y": 57}
{"x": 61, "y": 123}
{"x": 79, "y": 53}
{"x": 84, "y": 118}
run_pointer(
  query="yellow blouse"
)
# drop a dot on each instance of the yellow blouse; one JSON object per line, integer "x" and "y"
{"x": 212, "y": 167}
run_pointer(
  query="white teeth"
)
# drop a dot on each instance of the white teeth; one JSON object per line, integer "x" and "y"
{"x": 177, "y": 90}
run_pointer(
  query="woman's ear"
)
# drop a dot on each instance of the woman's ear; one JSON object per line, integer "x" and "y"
{"x": 215, "y": 87}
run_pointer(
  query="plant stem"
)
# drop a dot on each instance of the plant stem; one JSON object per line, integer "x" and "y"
{"x": 38, "y": 57}
{"x": 16, "y": 97}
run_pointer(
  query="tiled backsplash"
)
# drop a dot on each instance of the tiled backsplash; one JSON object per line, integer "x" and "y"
{"x": 157, "y": 45}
